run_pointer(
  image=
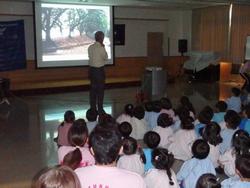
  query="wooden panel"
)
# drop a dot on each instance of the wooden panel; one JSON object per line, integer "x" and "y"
{"x": 128, "y": 68}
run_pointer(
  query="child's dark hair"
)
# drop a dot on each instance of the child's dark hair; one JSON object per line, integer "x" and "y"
{"x": 125, "y": 129}
{"x": 166, "y": 103}
{"x": 156, "y": 106}
{"x": 164, "y": 120}
{"x": 151, "y": 139}
{"x": 221, "y": 106}
{"x": 106, "y": 142}
{"x": 130, "y": 147}
{"x": 162, "y": 159}
{"x": 91, "y": 115}
{"x": 232, "y": 119}
{"x": 200, "y": 149}
{"x": 69, "y": 117}
{"x": 139, "y": 112}
{"x": 185, "y": 102}
{"x": 241, "y": 142}
{"x": 106, "y": 120}
{"x": 187, "y": 123}
{"x": 208, "y": 181}
{"x": 247, "y": 110}
{"x": 77, "y": 135}
{"x": 128, "y": 109}
{"x": 211, "y": 133}
{"x": 149, "y": 106}
{"x": 205, "y": 115}
{"x": 236, "y": 91}
{"x": 242, "y": 164}
{"x": 183, "y": 113}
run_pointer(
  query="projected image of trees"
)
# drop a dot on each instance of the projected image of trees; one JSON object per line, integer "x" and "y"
{"x": 67, "y": 32}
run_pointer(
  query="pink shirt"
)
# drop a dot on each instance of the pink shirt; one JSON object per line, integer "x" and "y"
{"x": 87, "y": 158}
{"x": 63, "y": 134}
{"x": 108, "y": 177}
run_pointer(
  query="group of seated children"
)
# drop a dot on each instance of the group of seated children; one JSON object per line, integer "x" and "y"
{"x": 158, "y": 147}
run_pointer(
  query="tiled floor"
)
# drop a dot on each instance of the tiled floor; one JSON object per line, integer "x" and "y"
{"x": 28, "y": 125}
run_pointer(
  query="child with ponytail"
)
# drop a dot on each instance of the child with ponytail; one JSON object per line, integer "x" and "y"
{"x": 76, "y": 155}
{"x": 162, "y": 175}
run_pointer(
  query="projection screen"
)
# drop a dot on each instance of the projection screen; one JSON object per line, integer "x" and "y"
{"x": 64, "y": 33}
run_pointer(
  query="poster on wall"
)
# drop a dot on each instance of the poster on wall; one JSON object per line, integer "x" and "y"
{"x": 12, "y": 45}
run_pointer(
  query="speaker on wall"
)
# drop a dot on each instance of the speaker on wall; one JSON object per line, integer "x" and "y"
{"x": 119, "y": 34}
{"x": 182, "y": 46}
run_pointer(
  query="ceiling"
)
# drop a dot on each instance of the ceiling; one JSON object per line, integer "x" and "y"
{"x": 170, "y": 4}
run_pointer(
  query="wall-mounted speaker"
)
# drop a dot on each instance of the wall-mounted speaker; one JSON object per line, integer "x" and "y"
{"x": 182, "y": 46}
{"x": 119, "y": 34}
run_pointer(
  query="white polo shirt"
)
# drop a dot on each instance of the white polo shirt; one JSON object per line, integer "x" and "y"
{"x": 97, "y": 55}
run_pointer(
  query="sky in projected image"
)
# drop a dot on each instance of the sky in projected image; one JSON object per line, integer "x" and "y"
{"x": 68, "y": 30}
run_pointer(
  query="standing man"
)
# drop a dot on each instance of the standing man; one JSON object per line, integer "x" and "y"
{"x": 97, "y": 59}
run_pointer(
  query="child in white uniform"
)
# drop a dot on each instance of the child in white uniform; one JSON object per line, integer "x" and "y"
{"x": 162, "y": 176}
{"x": 76, "y": 155}
{"x": 200, "y": 164}
{"x": 242, "y": 164}
{"x": 164, "y": 129}
{"x": 139, "y": 125}
{"x": 208, "y": 181}
{"x": 91, "y": 116}
{"x": 105, "y": 144}
{"x": 167, "y": 107}
{"x": 133, "y": 158}
{"x": 127, "y": 114}
{"x": 211, "y": 134}
{"x": 182, "y": 140}
{"x": 240, "y": 146}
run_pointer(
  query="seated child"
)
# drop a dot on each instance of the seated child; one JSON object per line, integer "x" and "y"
{"x": 127, "y": 114}
{"x": 240, "y": 146}
{"x": 204, "y": 117}
{"x": 232, "y": 120}
{"x": 151, "y": 140}
{"x": 76, "y": 155}
{"x": 133, "y": 158}
{"x": 234, "y": 102}
{"x": 148, "y": 112}
{"x": 211, "y": 135}
{"x": 242, "y": 165}
{"x": 91, "y": 116}
{"x": 182, "y": 113}
{"x": 164, "y": 129}
{"x": 167, "y": 107}
{"x": 155, "y": 114}
{"x": 185, "y": 103}
{"x": 105, "y": 144}
{"x": 125, "y": 129}
{"x": 56, "y": 177}
{"x": 63, "y": 129}
{"x": 182, "y": 140}
{"x": 162, "y": 176}
{"x": 193, "y": 168}
{"x": 139, "y": 125}
{"x": 245, "y": 123}
{"x": 220, "y": 111}
{"x": 208, "y": 181}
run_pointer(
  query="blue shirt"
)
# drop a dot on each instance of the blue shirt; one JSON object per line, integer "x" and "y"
{"x": 227, "y": 135}
{"x": 198, "y": 128}
{"x": 192, "y": 169}
{"x": 245, "y": 125}
{"x": 148, "y": 156}
{"x": 218, "y": 117}
{"x": 235, "y": 182}
{"x": 153, "y": 119}
{"x": 234, "y": 103}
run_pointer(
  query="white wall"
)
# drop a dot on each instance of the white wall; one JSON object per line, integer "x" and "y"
{"x": 178, "y": 26}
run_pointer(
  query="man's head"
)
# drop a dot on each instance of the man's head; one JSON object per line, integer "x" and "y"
{"x": 105, "y": 143}
{"x": 99, "y": 36}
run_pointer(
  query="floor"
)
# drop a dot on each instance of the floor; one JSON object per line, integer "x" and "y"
{"x": 29, "y": 124}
